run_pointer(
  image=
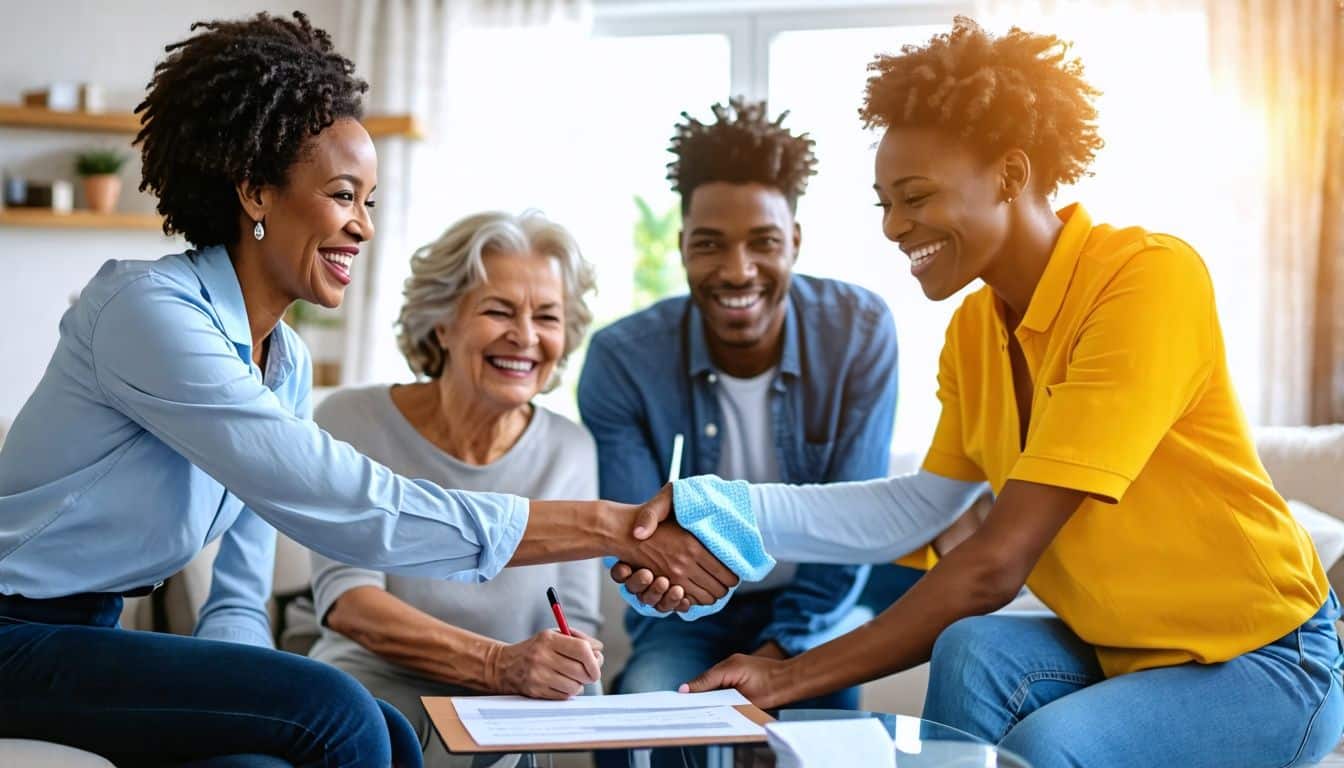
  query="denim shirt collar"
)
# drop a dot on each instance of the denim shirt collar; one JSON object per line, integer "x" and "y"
{"x": 700, "y": 362}
{"x": 225, "y": 294}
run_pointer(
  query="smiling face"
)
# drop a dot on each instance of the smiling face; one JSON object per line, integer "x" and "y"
{"x": 739, "y": 244}
{"x": 943, "y": 206}
{"x": 508, "y": 333}
{"x": 316, "y": 221}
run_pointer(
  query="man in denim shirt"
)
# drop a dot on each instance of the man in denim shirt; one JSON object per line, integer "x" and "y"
{"x": 769, "y": 376}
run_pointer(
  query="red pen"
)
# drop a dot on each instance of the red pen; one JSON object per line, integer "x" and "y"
{"x": 558, "y": 611}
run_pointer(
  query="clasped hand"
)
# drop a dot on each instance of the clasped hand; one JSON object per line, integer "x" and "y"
{"x": 668, "y": 567}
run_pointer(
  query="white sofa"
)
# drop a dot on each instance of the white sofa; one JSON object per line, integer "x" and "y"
{"x": 1306, "y": 464}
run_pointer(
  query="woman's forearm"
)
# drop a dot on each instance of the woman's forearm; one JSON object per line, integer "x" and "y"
{"x": 577, "y": 530}
{"x": 902, "y": 636}
{"x": 409, "y": 637}
{"x": 979, "y": 576}
{"x": 872, "y": 521}
{"x": 559, "y": 531}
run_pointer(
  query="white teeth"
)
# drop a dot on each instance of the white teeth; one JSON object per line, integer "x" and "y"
{"x": 343, "y": 260}
{"x": 513, "y": 365}
{"x": 738, "y": 302}
{"x": 924, "y": 253}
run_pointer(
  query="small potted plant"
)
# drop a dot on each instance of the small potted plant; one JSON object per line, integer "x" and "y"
{"x": 322, "y": 331}
{"x": 102, "y": 185}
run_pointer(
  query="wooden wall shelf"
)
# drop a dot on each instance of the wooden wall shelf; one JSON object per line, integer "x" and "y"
{"x": 35, "y": 117}
{"x": 16, "y": 116}
{"x": 46, "y": 219}
{"x": 389, "y": 126}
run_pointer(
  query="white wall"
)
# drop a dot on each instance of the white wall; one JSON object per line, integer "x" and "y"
{"x": 115, "y": 44}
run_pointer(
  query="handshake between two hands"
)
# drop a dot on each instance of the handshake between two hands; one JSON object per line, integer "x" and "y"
{"x": 664, "y": 566}
{"x": 667, "y": 567}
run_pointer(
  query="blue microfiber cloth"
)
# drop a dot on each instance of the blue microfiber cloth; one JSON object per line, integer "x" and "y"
{"x": 718, "y": 512}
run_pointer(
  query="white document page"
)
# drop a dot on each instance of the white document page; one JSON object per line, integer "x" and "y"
{"x": 504, "y": 720}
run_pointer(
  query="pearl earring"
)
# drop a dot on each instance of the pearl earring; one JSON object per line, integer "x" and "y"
{"x": 258, "y": 231}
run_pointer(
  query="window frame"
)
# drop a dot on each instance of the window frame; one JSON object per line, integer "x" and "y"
{"x": 751, "y": 29}
{"x": 751, "y": 26}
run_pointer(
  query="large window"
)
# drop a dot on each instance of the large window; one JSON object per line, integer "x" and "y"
{"x": 580, "y": 128}
{"x": 577, "y": 129}
{"x": 819, "y": 76}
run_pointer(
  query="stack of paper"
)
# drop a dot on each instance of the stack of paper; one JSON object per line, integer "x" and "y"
{"x": 509, "y": 720}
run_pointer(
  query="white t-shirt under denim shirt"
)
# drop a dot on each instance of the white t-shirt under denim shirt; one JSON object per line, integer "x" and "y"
{"x": 747, "y": 448}
{"x": 554, "y": 458}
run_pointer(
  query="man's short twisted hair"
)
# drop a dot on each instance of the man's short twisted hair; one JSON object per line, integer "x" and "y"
{"x": 236, "y": 103}
{"x": 741, "y": 146}
{"x": 1018, "y": 90}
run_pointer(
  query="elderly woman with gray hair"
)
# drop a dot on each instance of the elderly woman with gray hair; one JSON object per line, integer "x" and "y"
{"x": 492, "y": 311}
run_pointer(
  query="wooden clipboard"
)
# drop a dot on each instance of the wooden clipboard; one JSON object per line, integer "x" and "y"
{"x": 457, "y": 740}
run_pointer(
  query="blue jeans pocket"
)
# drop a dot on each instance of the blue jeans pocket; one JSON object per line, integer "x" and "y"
{"x": 1320, "y": 653}
{"x": 1325, "y": 727}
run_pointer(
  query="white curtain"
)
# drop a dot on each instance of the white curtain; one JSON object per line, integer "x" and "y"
{"x": 1280, "y": 62}
{"x": 1217, "y": 128}
{"x": 405, "y": 50}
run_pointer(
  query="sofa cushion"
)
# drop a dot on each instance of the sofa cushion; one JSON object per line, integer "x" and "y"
{"x": 44, "y": 754}
{"x": 293, "y": 567}
{"x": 1326, "y": 532}
{"x": 1305, "y": 464}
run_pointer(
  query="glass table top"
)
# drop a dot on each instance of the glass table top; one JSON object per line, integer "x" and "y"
{"x": 918, "y": 744}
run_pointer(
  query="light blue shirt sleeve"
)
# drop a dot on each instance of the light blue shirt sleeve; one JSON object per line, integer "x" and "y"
{"x": 184, "y": 382}
{"x": 241, "y": 585}
{"x": 749, "y": 526}
{"x": 881, "y": 520}
{"x": 244, "y": 569}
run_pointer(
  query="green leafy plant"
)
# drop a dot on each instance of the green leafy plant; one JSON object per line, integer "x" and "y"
{"x": 658, "y": 271}
{"x": 99, "y": 162}
{"x": 302, "y": 314}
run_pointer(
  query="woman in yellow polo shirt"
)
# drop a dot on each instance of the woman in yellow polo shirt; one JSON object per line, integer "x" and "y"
{"x": 1087, "y": 384}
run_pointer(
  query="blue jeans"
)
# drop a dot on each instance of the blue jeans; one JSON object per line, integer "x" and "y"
{"x": 70, "y": 675}
{"x": 886, "y": 583}
{"x": 668, "y": 652}
{"x": 1030, "y": 685}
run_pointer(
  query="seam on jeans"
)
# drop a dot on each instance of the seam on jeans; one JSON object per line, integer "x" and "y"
{"x": 1306, "y": 734}
{"x": 245, "y": 715}
{"x": 1337, "y": 664}
{"x": 1019, "y": 696}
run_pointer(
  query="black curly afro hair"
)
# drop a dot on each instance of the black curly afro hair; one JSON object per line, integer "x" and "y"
{"x": 236, "y": 103}
{"x": 1020, "y": 90}
{"x": 740, "y": 147}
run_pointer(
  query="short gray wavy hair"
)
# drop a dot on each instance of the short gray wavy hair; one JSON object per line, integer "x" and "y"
{"x": 445, "y": 270}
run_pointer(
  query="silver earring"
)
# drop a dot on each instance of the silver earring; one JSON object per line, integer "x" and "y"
{"x": 258, "y": 231}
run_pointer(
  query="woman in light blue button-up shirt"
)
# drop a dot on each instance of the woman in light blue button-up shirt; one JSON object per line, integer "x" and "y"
{"x": 176, "y": 410}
